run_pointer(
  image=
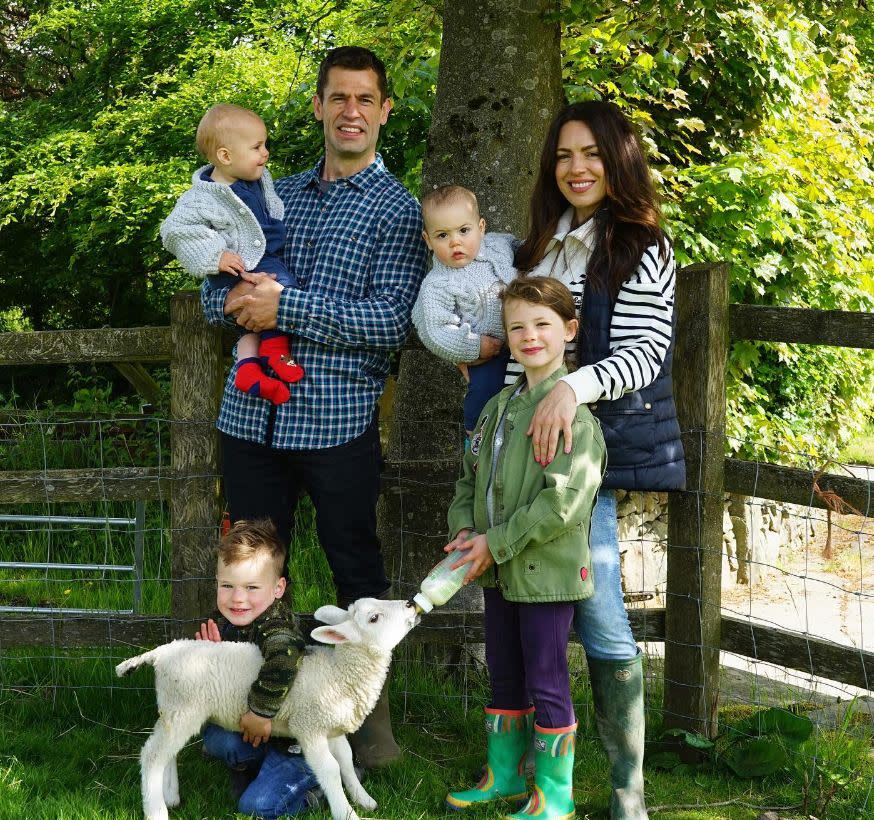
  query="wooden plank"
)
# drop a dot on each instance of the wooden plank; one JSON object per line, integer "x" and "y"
{"x": 106, "y": 344}
{"x": 196, "y": 381}
{"x": 794, "y": 650}
{"x": 114, "y": 484}
{"x": 839, "y": 328}
{"x": 69, "y": 632}
{"x": 451, "y": 628}
{"x": 693, "y": 589}
{"x": 791, "y": 484}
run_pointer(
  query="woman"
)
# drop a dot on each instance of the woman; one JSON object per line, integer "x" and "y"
{"x": 595, "y": 225}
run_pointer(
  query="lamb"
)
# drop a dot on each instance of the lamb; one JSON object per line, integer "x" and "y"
{"x": 334, "y": 690}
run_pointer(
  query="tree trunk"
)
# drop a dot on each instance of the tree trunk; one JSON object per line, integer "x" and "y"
{"x": 498, "y": 86}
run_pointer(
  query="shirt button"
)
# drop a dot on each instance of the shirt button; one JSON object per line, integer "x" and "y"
{"x": 648, "y": 406}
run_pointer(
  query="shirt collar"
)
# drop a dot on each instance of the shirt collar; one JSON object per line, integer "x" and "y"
{"x": 362, "y": 180}
{"x": 584, "y": 234}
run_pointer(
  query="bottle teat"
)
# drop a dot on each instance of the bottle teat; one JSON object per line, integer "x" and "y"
{"x": 422, "y": 603}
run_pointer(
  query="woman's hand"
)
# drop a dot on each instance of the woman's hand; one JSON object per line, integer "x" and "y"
{"x": 479, "y": 556}
{"x": 555, "y": 414}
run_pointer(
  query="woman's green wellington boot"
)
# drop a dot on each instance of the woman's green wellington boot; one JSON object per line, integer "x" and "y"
{"x": 617, "y": 692}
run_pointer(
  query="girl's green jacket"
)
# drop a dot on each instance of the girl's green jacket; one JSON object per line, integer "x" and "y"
{"x": 542, "y": 515}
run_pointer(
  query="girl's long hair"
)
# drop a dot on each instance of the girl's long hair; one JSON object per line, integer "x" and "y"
{"x": 627, "y": 222}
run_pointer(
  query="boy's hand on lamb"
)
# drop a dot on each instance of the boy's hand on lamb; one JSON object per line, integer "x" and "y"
{"x": 256, "y": 729}
{"x": 230, "y": 262}
{"x": 479, "y": 557}
{"x": 208, "y": 632}
{"x": 465, "y": 373}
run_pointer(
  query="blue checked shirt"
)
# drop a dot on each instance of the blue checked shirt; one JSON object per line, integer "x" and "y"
{"x": 358, "y": 254}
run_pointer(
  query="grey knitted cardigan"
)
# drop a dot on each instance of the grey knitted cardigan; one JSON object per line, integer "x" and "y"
{"x": 210, "y": 218}
{"x": 458, "y": 305}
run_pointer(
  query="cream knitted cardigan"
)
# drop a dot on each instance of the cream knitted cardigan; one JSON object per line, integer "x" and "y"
{"x": 210, "y": 218}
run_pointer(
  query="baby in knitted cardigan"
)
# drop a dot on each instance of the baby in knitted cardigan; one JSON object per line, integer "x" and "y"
{"x": 458, "y": 313}
{"x": 230, "y": 221}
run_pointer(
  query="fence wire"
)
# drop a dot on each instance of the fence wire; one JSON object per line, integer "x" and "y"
{"x": 796, "y": 568}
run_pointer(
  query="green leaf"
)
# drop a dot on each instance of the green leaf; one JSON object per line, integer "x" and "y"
{"x": 756, "y": 758}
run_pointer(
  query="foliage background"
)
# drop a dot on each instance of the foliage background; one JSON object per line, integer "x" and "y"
{"x": 757, "y": 118}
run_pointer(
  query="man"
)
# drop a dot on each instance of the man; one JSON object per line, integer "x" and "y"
{"x": 354, "y": 242}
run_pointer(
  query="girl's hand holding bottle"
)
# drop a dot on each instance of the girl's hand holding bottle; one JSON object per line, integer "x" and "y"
{"x": 477, "y": 554}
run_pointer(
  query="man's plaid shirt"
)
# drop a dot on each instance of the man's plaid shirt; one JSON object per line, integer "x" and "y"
{"x": 358, "y": 254}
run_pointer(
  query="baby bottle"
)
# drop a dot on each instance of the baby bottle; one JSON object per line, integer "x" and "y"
{"x": 442, "y": 582}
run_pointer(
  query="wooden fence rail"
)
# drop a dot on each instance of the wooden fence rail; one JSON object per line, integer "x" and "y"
{"x": 691, "y": 624}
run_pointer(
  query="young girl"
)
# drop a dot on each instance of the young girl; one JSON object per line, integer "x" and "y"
{"x": 526, "y": 524}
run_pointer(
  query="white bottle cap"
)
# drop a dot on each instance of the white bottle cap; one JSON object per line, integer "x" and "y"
{"x": 422, "y": 602}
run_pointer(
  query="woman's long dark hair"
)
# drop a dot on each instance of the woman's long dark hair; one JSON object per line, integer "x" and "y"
{"x": 627, "y": 222}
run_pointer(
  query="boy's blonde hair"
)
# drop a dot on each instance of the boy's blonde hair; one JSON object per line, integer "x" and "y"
{"x": 216, "y": 124}
{"x": 449, "y": 195}
{"x": 250, "y": 539}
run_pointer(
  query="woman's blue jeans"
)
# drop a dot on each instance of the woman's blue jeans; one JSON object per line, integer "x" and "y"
{"x": 601, "y": 621}
{"x": 282, "y": 782}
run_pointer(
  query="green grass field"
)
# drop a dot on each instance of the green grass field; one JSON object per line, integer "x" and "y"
{"x": 71, "y": 752}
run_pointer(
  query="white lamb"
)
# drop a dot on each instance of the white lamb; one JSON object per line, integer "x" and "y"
{"x": 333, "y": 691}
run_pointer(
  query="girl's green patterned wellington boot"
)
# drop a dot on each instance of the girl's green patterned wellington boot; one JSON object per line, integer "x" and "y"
{"x": 553, "y": 795}
{"x": 508, "y": 735}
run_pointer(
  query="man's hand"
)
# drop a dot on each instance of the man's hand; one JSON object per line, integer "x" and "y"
{"x": 465, "y": 373}
{"x": 256, "y": 729}
{"x": 230, "y": 262}
{"x": 242, "y": 288}
{"x": 257, "y": 309}
{"x": 208, "y": 632}
{"x": 554, "y": 415}
{"x": 479, "y": 557}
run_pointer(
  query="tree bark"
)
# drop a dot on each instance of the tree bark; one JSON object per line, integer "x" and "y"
{"x": 498, "y": 86}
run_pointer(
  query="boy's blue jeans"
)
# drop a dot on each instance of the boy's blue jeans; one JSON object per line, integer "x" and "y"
{"x": 601, "y": 621}
{"x": 282, "y": 782}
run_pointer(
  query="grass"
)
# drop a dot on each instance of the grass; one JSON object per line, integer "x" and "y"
{"x": 71, "y": 754}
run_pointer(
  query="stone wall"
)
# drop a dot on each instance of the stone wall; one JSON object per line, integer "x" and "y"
{"x": 755, "y": 534}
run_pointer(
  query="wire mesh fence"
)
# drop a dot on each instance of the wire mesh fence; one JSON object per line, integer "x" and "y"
{"x": 793, "y": 579}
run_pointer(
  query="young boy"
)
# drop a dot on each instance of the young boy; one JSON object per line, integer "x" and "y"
{"x": 251, "y": 559}
{"x": 458, "y": 313}
{"x": 230, "y": 221}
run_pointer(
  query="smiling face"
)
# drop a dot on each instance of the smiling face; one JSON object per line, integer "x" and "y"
{"x": 243, "y": 152}
{"x": 453, "y": 231}
{"x": 579, "y": 170}
{"x": 247, "y": 588}
{"x": 351, "y": 110}
{"x": 537, "y": 336}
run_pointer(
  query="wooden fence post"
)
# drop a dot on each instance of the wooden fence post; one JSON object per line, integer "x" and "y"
{"x": 196, "y": 384}
{"x": 694, "y": 594}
